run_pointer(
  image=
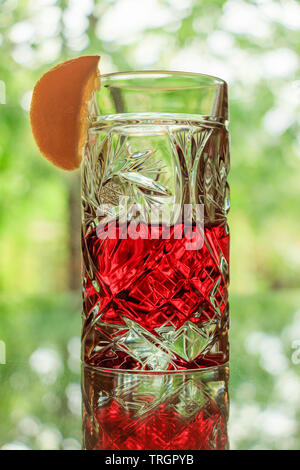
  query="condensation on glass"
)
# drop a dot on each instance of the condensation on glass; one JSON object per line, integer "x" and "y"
{"x": 150, "y": 305}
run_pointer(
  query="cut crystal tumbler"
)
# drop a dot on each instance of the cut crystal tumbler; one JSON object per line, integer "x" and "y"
{"x": 155, "y": 246}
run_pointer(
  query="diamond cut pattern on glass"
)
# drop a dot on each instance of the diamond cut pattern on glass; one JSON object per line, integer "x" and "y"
{"x": 150, "y": 304}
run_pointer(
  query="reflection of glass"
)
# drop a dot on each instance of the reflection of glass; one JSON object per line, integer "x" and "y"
{"x": 155, "y": 282}
{"x": 185, "y": 411}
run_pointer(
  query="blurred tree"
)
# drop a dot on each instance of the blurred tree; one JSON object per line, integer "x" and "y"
{"x": 253, "y": 44}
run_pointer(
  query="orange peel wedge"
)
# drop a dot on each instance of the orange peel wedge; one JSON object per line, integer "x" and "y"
{"x": 59, "y": 110}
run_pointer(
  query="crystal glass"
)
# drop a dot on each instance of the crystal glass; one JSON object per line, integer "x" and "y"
{"x": 155, "y": 246}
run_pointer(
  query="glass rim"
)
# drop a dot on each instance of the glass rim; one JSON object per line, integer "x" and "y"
{"x": 211, "y": 80}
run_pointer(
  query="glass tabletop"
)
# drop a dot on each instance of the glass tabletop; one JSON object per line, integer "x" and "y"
{"x": 40, "y": 389}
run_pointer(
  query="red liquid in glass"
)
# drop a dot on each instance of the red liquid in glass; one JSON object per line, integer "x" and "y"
{"x": 155, "y": 283}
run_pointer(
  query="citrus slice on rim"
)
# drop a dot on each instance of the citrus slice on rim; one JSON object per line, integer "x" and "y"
{"x": 59, "y": 110}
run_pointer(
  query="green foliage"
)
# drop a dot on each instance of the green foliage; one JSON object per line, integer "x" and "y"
{"x": 264, "y": 182}
{"x": 264, "y": 382}
{"x": 261, "y": 63}
{"x": 38, "y": 324}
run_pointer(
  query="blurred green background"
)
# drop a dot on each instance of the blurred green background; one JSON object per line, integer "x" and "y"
{"x": 255, "y": 46}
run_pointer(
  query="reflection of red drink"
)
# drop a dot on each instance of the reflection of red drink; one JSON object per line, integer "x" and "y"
{"x": 155, "y": 412}
{"x": 152, "y": 304}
